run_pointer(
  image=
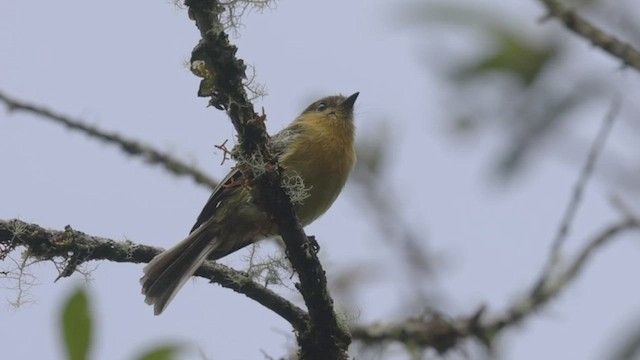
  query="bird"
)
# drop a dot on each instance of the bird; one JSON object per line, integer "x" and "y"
{"x": 316, "y": 152}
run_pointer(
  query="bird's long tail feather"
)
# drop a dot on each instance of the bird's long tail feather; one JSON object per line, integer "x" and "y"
{"x": 170, "y": 270}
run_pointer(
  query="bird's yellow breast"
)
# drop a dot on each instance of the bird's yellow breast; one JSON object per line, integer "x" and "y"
{"x": 323, "y": 156}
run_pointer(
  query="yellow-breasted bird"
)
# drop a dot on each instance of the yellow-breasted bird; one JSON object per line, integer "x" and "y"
{"x": 317, "y": 148}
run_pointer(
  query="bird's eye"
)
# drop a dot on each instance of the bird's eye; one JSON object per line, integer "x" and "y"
{"x": 321, "y": 107}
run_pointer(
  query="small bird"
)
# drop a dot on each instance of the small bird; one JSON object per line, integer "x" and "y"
{"x": 317, "y": 148}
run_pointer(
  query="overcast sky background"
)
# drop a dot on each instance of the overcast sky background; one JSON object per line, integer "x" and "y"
{"x": 120, "y": 65}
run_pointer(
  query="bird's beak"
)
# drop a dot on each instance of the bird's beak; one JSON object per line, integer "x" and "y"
{"x": 347, "y": 104}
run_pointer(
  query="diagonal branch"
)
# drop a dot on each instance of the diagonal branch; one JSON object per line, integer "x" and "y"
{"x": 554, "y": 285}
{"x": 578, "y": 190}
{"x": 129, "y": 146}
{"x": 597, "y": 36}
{"x": 443, "y": 334}
{"x": 74, "y": 248}
{"x": 214, "y": 60}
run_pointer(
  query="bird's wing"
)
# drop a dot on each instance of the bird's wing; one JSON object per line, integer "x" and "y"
{"x": 234, "y": 179}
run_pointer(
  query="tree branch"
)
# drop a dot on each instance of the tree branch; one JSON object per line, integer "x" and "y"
{"x": 73, "y": 248}
{"x": 540, "y": 295}
{"x": 129, "y": 146}
{"x": 597, "y": 36}
{"x": 578, "y": 189}
{"x": 214, "y": 60}
{"x": 442, "y": 334}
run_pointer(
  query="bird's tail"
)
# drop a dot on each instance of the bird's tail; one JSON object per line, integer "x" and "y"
{"x": 171, "y": 269}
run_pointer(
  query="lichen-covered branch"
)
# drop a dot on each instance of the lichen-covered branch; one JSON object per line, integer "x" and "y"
{"x": 579, "y": 25}
{"x": 129, "y": 146}
{"x": 74, "y": 248}
{"x": 433, "y": 331}
{"x": 214, "y": 60}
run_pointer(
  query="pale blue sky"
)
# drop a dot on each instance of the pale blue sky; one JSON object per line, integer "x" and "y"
{"x": 120, "y": 65}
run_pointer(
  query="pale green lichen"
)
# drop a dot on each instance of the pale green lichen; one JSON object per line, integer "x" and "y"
{"x": 294, "y": 187}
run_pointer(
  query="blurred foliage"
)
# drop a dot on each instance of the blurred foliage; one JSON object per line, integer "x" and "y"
{"x": 77, "y": 331}
{"x": 372, "y": 151}
{"x": 629, "y": 346}
{"x": 162, "y": 352}
{"x": 509, "y": 51}
{"x": 77, "y": 325}
{"x": 528, "y": 82}
{"x": 402, "y": 240}
{"x": 513, "y": 55}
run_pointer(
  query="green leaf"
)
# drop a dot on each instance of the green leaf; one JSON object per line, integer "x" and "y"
{"x": 514, "y": 55}
{"x": 163, "y": 352}
{"x": 76, "y": 325}
{"x": 522, "y": 58}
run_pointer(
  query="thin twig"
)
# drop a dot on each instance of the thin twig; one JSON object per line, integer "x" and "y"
{"x": 129, "y": 146}
{"x": 553, "y": 286}
{"x": 578, "y": 190}
{"x": 597, "y": 36}
{"x": 623, "y": 208}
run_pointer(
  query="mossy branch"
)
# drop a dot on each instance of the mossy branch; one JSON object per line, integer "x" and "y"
{"x": 73, "y": 248}
{"x": 214, "y": 60}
